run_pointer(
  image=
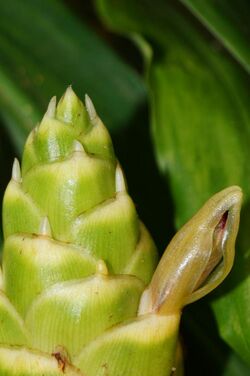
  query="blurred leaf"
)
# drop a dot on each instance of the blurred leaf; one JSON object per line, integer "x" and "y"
{"x": 44, "y": 48}
{"x": 201, "y": 333}
{"x": 201, "y": 130}
{"x": 235, "y": 367}
{"x": 229, "y": 22}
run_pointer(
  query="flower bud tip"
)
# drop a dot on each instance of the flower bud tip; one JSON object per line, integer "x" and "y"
{"x": 198, "y": 258}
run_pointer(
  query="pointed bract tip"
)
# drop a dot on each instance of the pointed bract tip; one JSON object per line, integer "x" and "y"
{"x": 120, "y": 181}
{"x": 101, "y": 268}
{"x": 51, "y": 110}
{"x": 69, "y": 93}
{"x": 90, "y": 108}
{"x": 16, "y": 171}
{"x": 78, "y": 147}
{"x": 70, "y": 108}
{"x": 45, "y": 228}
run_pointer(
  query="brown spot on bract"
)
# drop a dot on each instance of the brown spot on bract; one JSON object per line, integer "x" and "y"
{"x": 61, "y": 360}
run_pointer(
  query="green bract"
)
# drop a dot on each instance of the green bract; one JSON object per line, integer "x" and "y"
{"x": 79, "y": 292}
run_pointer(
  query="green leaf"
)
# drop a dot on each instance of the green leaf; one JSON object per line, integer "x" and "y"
{"x": 229, "y": 22}
{"x": 201, "y": 131}
{"x": 44, "y": 48}
{"x": 201, "y": 332}
{"x": 235, "y": 367}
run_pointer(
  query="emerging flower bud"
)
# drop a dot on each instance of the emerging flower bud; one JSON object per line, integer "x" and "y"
{"x": 199, "y": 256}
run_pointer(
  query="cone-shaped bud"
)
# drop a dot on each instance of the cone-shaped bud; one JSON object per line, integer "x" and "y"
{"x": 77, "y": 259}
{"x": 198, "y": 258}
